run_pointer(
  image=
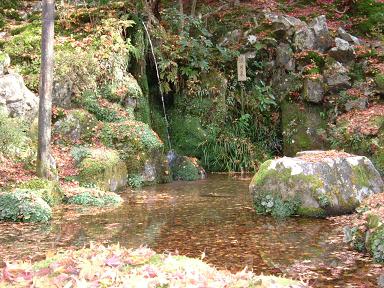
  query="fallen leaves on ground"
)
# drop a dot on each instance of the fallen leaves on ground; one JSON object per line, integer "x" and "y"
{"x": 113, "y": 266}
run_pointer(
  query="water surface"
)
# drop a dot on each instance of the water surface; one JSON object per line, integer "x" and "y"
{"x": 212, "y": 219}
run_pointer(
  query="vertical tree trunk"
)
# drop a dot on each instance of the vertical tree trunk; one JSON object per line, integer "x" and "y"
{"x": 193, "y": 9}
{"x": 45, "y": 90}
{"x": 181, "y": 7}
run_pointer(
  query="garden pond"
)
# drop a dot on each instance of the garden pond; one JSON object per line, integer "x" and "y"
{"x": 211, "y": 219}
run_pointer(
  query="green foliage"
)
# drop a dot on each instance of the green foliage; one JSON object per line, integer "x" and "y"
{"x": 187, "y": 134}
{"x": 379, "y": 80}
{"x": 372, "y": 12}
{"x": 266, "y": 203}
{"x": 95, "y": 197}
{"x": 13, "y": 137}
{"x": 24, "y": 206}
{"x": 135, "y": 181}
{"x": 79, "y": 153}
{"x": 10, "y": 4}
{"x": 377, "y": 244}
{"x": 90, "y": 102}
{"x": 195, "y": 53}
{"x": 24, "y": 50}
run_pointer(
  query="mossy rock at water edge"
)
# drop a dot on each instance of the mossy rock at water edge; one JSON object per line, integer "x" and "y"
{"x": 50, "y": 191}
{"x": 187, "y": 169}
{"x": 140, "y": 148}
{"x": 314, "y": 184}
{"x": 24, "y": 205}
{"x": 103, "y": 168}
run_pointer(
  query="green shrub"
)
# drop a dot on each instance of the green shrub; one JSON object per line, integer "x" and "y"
{"x": 50, "y": 191}
{"x": 79, "y": 153}
{"x": 24, "y": 50}
{"x": 377, "y": 244}
{"x": 23, "y": 206}
{"x": 270, "y": 204}
{"x": 90, "y": 102}
{"x": 135, "y": 181}
{"x": 379, "y": 80}
{"x": 13, "y": 138}
{"x": 94, "y": 197}
{"x": 372, "y": 12}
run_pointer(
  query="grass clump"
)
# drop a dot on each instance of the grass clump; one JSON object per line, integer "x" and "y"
{"x": 24, "y": 206}
{"x": 94, "y": 197}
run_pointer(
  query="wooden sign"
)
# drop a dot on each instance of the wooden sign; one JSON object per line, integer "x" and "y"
{"x": 242, "y": 68}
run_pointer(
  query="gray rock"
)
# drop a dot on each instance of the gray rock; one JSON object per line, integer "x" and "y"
{"x": 232, "y": 37}
{"x": 62, "y": 92}
{"x": 348, "y": 37}
{"x": 356, "y": 104}
{"x": 323, "y": 39}
{"x": 336, "y": 77}
{"x": 304, "y": 39}
{"x": 343, "y": 52}
{"x": 314, "y": 89}
{"x": 285, "y": 57}
{"x": 284, "y": 26}
{"x": 17, "y": 100}
{"x": 314, "y": 184}
{"x": 5, "y": 62}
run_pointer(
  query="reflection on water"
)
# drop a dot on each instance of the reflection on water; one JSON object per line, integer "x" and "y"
{"x": 213, "y": 216}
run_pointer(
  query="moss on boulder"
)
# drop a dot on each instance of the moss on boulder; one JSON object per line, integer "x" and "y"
{"x": 23, "y": 206}
{"x": 314, "y": 184}
{"x": 92, "y": 197}
{"x": 77, "y": 126}
{"x": 50, "y": 191}
{"x": 187, "y": 169}
{"x": 303, "y": 127}
{"x": 141, "y": 149}
{"x": 104, "y": 169}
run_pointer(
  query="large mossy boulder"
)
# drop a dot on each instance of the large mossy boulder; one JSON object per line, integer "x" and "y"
{"x": 24, "y": 205}
{"x": 141, "y": 149}
{"x": 50, "y": 191}
{"x": 103, "y": 168}
{"x": 187, "y": 169}
{"x": 314, "y": 184}
{"x": 78, "y": 125}
{"x": 303, "y": 126}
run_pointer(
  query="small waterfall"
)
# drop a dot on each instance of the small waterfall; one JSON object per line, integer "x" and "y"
{"x": 160, "y": 89}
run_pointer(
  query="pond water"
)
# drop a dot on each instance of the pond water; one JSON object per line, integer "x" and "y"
{"x": 211, "y": 218}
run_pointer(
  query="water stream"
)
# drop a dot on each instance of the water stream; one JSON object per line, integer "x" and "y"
{"x": 159, "y": 82}
{"x": 183, "y": 217}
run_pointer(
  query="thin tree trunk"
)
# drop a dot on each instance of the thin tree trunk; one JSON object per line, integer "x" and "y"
{"x": 193, "y": 9}
{"x": 45, "y": 90}
{"x": 181, "y": 7}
